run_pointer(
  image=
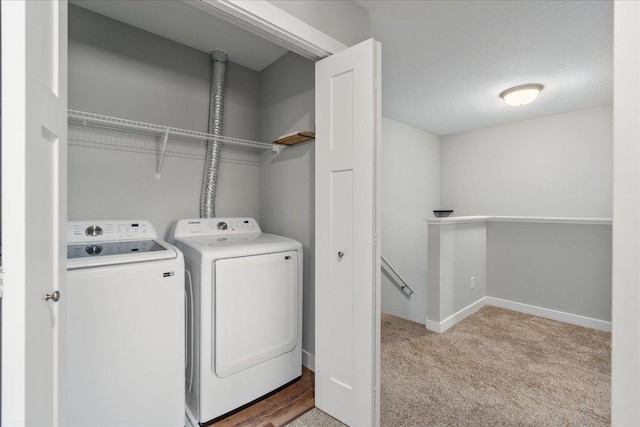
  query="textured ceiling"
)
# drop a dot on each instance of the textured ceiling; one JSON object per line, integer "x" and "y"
{"x": 181, "y": 22}
{"x": 445, "y": 62}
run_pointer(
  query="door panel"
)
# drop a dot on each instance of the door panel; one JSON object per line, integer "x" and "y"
{"x": 347, "y": 229}
{"x": 34, "y": 158}
{"x": 342, "y": 112}
{"x": 342, "y": 321}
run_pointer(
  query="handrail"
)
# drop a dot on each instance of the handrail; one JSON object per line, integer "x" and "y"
{"x": 395, "y": 277}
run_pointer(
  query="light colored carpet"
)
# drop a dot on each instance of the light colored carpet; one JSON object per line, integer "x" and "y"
{"x": 495, "y": 368}
{"x": 315, "y": 418}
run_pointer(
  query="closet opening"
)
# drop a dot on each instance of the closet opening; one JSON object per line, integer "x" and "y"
{"x": 139, "y": 86}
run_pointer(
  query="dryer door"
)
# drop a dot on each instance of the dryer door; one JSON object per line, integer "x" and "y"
{"x": 255, "y": 300}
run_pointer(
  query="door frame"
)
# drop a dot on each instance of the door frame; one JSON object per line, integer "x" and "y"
{"x": 625, "y": 372}
{"x": 268, "y": 21}
{"x": 34, "y": 196}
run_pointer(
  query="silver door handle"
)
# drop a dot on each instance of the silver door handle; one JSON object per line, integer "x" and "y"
{"x": 340, "y": 254}
{"x": 55, "y": 296}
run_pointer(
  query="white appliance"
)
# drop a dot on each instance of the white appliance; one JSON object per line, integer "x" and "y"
{"x": 125, "y": 341}
{"x": 244, "y": 313}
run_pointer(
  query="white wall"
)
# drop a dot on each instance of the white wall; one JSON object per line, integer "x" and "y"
{"x": 344, "y": 20}
{"x": 561, "y": 267}
{"x": 625, "y": 375}
{"x": 287, "y": 97}
{"x": 109, "y": 184}
{"x": 559, "y": 165}
{"x": 119, "y": 70}
{"x": 287, "y": 184}
{"x": 466, "y": 246}
{"x": 457, "y": 252}
{"x": 410, "y": 192}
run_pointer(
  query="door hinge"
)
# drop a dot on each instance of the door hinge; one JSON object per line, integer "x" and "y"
{"x": 1, "y": 283}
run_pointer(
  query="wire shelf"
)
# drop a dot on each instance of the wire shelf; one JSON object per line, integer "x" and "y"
{"x": 168, "y": 133}
{"x": 98, "y": 120}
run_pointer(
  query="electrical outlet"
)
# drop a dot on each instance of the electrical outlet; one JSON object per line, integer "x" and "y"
{"x": 473, "y": 282}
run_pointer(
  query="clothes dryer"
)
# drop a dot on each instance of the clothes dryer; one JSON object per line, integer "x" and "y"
{"x": 244, "y": 313}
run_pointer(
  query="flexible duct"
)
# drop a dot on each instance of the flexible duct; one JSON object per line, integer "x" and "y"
{"x": 214, "y": 147}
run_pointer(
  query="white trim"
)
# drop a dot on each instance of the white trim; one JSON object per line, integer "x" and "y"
{"x": 547, "y": 313}
{"x": 457, "y": 220}
{"x": 308, "y": 360}
{"x": 268, "y": 21}
{"x": 529, "y": 219}
{"x": 14, "y": 312}
{"x": 552, "y": 220}
{"x": 455, "y": 318}
{"x": 625, "y": 373}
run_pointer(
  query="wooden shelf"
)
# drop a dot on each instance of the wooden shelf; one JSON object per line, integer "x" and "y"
{"x": 296, "y": 138}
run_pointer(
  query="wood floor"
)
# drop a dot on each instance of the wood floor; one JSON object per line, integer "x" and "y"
{"x": 279, "y": 408}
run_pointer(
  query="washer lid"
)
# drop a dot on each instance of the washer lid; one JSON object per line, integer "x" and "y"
{"x": 96, "y": 254}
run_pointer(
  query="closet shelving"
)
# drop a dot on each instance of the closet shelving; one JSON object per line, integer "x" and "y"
{"x": 167, "y": 133}
{"x": 296, "y": 138}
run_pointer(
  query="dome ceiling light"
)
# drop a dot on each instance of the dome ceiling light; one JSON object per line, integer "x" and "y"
{"x": 521, "y": 95}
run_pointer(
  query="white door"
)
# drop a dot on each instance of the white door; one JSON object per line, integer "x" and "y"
{"x": 34, "y": 206}
{"x": 347, "y": 229}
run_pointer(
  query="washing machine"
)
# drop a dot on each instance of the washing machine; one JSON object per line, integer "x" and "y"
{"x": 244, "y": 313}
{"x": 125, "y": 326}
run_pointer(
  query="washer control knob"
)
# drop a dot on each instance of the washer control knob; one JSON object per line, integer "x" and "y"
{"x": 222, "y": 225}
{"x": 93, "y": 231}
{"x": 93, "y": 249}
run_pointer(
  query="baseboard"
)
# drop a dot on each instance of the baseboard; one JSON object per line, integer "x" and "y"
{"x": 440, "y": 327}
{"x": 189, "y": 419}
{"x": 547, "y": 313}
{"x": 308, "y": 360}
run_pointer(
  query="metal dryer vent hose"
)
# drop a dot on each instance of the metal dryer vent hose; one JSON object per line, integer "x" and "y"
{"x": 214, "y": 148}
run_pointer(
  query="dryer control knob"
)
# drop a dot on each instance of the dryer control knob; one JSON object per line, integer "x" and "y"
{"x": 222, "y": 225}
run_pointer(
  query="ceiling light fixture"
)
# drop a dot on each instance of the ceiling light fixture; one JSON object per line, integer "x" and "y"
{"x": 521, "y": 95}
